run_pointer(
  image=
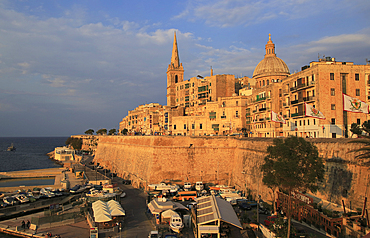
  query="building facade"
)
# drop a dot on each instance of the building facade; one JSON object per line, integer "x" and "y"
{"x": 227, "y": 105}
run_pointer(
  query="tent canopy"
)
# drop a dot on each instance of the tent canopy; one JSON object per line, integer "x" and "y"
{"x": 102, "y": 217}
{"x": 168, "y": 213}
{"x": 103, "y": 212}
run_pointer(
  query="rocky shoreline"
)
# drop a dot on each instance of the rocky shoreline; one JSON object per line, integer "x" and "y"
{"x": 51, "y": 156}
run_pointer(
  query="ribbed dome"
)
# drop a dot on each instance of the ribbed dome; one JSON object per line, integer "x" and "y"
{"x": 271, "y": 66}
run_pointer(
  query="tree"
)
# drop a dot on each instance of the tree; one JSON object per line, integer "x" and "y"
{"x": 112, "y": 132}
{"x": 89, "y": 132}
{"x": 102, "y": 131}
{"x": 356, "y": 129}
{"x": 292, "y": 164}
{"x": 364, "y": 151}
{"x": 124, "y": 131}
{"x": 76, "y": 143}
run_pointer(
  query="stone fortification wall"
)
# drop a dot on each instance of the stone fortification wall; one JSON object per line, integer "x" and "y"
{"x": 226, "y": 160}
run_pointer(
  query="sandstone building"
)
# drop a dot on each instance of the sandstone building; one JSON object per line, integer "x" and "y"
{"x": 227, "y": 105}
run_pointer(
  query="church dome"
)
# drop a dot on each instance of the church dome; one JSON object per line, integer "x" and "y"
{"x": 271, "y": 65}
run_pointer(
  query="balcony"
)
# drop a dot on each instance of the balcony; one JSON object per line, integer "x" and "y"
{"x": 261, "y": 99}
{"x": 247, "y": 114}
{"x": 297, "y": 114}
{"x": 262, "y": 109}
{"x": 303, "y": 86}
{"x": 294, "y": 102}
{"x": 223, "y": 117}
{"x": 309, "y": 98}
{"x": 286, "y": 104}
{"x": 285, "y": 91}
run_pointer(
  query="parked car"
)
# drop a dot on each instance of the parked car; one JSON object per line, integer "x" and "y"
{"x": 244, "y": 205}
{"x": 154, "y": 234}
{"x": 263, "y": 211}
{"x": 170, "y": 236}
{"x": 301, "y": 233}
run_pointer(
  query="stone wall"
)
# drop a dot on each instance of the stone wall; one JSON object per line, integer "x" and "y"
{"x": 227, "y": 160}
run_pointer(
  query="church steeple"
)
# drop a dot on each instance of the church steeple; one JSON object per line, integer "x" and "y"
{"x": 270, "y": 48}
{"x": 175, "y": 61}
{"x": 175, "y": 74}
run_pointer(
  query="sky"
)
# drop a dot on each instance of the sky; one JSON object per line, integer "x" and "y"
{"x": 68, "y": 66}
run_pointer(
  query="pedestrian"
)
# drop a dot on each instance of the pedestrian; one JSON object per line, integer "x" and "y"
{"x": 23, "y": 224}
{"x": 28, "y": 224}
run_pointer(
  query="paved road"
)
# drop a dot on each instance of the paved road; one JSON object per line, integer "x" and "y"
{"x": 136, "y": 222}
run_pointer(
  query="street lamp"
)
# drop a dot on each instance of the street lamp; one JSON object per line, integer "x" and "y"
{"x": 120, "y": 228}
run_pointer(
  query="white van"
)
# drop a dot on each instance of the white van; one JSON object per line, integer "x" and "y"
{"x": 199, "y": 186}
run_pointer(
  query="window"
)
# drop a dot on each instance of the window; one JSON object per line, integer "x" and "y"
{"x": 236, "y": 114}
{"x": 358, "y": 121}
{"x": 304, "y": 122}
{"x": 332, "y": 106}
{"x": 308, "y": 122}
{"x": 332, "y": 91}
{"x": 200, "y": 126}
{"x": 314, "y": 121}
{"x": 193, "y": 126}
{"x": 333, "y": 121}
{"x": 300, "y": 123}
{"x": 357, "y": 77}
{"x": 184, "y": 126}
{"x": 237, "y": 103}
{"x": 357, "y": 92}
{"x": 174, "y": 127}
{"x": 331, "y": 76}
{"x": 268, "y": 82}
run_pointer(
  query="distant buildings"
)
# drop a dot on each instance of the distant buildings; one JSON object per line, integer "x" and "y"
{"x": 64, "y": 154}
{"x": 270, "y": 104}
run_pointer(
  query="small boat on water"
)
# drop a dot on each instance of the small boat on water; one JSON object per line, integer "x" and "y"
{"x": 11, "y": 148}
{"x": 176, "y": 223}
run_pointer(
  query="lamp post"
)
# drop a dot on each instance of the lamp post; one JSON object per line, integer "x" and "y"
{"x": 120, "y": 229}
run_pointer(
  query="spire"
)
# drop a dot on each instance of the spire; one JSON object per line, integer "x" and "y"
{"x": 270, "y": 48}
{"x": 175, "y": 61}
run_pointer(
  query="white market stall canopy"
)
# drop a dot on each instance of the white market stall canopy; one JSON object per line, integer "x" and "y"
{"x": 103, "y": 212}
{"x": 168, "y": 213}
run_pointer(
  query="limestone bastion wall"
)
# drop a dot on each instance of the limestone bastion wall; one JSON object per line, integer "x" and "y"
{"x": 227, "y": 160}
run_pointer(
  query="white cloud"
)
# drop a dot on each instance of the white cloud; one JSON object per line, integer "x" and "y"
{"x": 222, "y": 13}
{"x": 56, "y": 82}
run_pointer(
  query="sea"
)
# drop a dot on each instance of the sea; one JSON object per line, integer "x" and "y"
{"x": 30, "y": 153}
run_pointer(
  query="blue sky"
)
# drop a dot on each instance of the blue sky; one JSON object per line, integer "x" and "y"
{"x": 67, "y": 66}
